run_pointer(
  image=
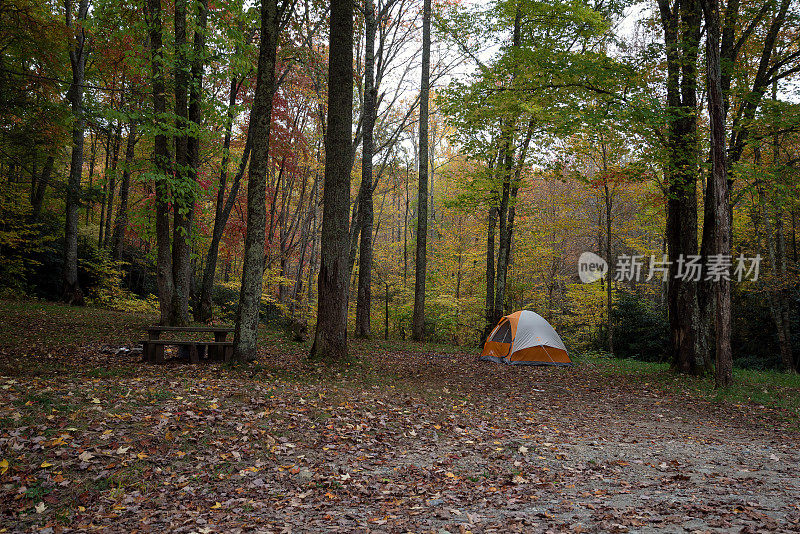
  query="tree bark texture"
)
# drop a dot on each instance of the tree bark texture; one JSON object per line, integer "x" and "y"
{"x": 330, "y": 336}
{"x": 247, "y": 315}
{"x": 421, "y": 264}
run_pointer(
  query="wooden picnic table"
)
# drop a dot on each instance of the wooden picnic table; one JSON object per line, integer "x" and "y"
{"x": 220, "y": 348}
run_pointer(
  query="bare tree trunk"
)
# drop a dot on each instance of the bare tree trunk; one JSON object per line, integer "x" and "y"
{"x": 78, "y": 50}
{"x": 247, "y": 317}
{"x": 721, "y": 198}
{"x": 330, "y": 337}
{"x": 364, "y": 301}
{"x": 421, "y": 264}
{"x": 121, "y": 221}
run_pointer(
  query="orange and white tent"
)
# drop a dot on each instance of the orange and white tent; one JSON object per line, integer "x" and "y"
{"x": 525, "y": 338}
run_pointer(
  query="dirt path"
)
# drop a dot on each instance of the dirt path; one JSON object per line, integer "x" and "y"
{"x": 405, "y": 442}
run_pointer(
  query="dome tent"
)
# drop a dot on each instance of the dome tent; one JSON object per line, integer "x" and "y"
{"x": 525, "y": 338}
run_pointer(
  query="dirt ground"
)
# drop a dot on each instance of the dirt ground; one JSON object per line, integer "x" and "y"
{"x": 400, "y": 441}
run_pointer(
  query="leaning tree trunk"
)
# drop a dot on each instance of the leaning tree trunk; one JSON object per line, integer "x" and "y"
{"x": 330, "y": 337}
{"x": 203, "y": 310}
{"x": 364, "y": 301}
{"x": 39, "y": 188}
{"x": 121, "y": 221}
{"x": 418, "y": 325}
{"x": 77, "y": 56}
{"x": 246, "y": 334}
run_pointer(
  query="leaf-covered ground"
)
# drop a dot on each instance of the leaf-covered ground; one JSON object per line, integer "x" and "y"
{"x": 405, "y": 439}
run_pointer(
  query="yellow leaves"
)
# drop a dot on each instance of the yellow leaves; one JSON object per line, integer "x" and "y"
{"x": 141, "y": 456}
{"x": 46, "y": 464}
{"x": 3, "y": 467}
{"x": 217, "y": 506}
{"x": 60, "y": 440}
{"x": 81, "y": 508}
{"x": 95, "y": 400}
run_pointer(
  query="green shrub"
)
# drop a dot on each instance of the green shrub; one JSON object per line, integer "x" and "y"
{"x": 641, "y": 329}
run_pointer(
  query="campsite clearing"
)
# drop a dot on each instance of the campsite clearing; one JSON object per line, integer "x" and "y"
{"x": 406, "y": 438}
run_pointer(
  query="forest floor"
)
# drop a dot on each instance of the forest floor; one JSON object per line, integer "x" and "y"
{"x": 406, "y": 438}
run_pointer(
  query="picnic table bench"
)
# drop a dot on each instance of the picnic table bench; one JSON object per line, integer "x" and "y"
{"x": 219, "y": 349}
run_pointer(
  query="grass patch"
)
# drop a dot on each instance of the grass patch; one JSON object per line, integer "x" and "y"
{"x": 36, "y": 325}
{"x": 772, "y": 389}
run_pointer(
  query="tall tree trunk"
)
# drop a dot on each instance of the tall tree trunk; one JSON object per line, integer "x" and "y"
{"x": 78, "y": 50}
{"x": 407, "y": 198}
{"x": 92, "y": 161}
{"x": 247, "y": 317}
{"x": 491, "y": 228}
{"x": 161, "y": 157}
{"x": 195, "y": 118}
{"x": 364, "y": 301}
{"x": 721, "y": 198}
{"x": 203, "y": 310}
{"x": 37, "y": 193}
{"x": 681, "y": 26}
{"x": 183, "y": 206}
{"x": 421, "y": 264}
{"x": 112, "y": 184}
{"x": 330, "y": 337}
{"x": 121, "y": 221}
{"x": 90, "y": 207}
{"x": 609, "y": 205}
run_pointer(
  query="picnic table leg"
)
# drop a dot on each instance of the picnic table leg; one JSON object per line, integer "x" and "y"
{"x": 214, "y": 352}
{"x": 156, "y": 350}
{"x": 193, "y": 355}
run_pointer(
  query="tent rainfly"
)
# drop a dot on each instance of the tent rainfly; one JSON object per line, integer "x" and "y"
{"x": 525, "y": 338}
